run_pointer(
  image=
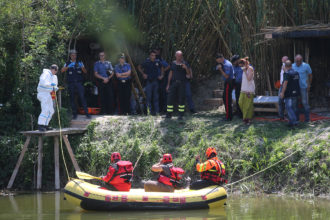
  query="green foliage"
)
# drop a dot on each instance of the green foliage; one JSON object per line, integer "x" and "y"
{"x": 244, "y": 150}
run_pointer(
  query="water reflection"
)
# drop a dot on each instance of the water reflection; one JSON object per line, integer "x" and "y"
{"x": 52, "y": 206}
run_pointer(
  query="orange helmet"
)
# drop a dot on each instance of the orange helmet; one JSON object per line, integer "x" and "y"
{"x": 210, "y": 151}
{"x": 115, "y": 156}
{"x": 167, "y": 158}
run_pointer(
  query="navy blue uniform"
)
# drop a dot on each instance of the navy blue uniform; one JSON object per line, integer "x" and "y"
{"x": 153, "y": 70}
{"x": 227, "y": 68}
{"x": 177, "y": 88}
{"x": 124, "y": 88}
{"x": 105, "y": 89}
{"x": 75, "y": 84}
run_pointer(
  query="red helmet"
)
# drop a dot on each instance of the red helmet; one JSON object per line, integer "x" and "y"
{"x": 210, "y": 151}
{"x": 115, "y": 156}
{"x": 167, "y": 158}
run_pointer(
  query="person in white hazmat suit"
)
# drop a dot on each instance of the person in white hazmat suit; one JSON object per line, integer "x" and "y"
{"x": 47, "y": 84}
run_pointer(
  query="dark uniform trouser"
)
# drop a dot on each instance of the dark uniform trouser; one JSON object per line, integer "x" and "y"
{"x": 227, "y": 98}
{"x": 74, "y": 87}
{"x": 177, "y": 89}
{"x": 124, "y": 93}
{"x": 238, "y": 86}
{"x": 200, "y": 184}
{"x": 106, "y": 95}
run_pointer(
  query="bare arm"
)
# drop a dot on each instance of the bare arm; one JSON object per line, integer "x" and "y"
{"x": 285, "y": 84}
{"x": 157, "y": 167}
{"x": 310, "y": 79}
{"x": 64, "y": 69}
{"x": 84, "y": 69}
{"x": 222, "y": 72}
{"x": 97, "y": 75}
{"x": 169, "y": 79}
{"x": 249, "y": 73}
{"x": 142, "y": 71}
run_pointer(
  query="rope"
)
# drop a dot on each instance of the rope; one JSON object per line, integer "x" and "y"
{"x": 263, "y": 170}
{"x": 61, "y": 141}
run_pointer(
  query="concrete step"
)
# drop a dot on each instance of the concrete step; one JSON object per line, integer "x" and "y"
{"x": 81, "y": 121}
{"x": 217, "y": 93}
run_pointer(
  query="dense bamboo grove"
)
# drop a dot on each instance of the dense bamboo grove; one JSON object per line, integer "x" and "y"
{"x": 202, "y": 27}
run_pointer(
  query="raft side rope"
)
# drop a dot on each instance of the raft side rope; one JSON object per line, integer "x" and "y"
{"x": 274, "y": 164}
{"x": 61, "y": 141}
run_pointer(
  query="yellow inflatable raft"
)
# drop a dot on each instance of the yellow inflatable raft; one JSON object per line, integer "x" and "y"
{"x": 91, "y": 197}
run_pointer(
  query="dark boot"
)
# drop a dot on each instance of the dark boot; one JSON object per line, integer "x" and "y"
{"x": 180, "y": 118}
{"x": 48, "y": 128}
{"x": 42, "y": 128}
{"x": 88, "y": 116}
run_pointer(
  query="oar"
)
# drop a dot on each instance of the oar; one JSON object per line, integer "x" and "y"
{"x": 86, "y": 176}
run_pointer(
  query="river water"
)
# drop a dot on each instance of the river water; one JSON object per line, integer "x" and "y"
{"x": 46, "y": 206}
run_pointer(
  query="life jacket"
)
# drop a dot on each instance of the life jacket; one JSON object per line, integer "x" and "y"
{"x": 121, "y": 179}
{"x": 216, "y": 172}
{"x": 74, "y": 74}
{"x": 174, "y": 178}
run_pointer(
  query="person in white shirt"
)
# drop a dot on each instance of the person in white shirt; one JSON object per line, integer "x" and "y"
{"x": 281, "y": 105}
{"x": 47, "y": 85}
{"x": 247, "y": 91}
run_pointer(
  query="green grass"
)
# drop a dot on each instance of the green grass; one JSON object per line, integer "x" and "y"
{"x": 243, "y": 149}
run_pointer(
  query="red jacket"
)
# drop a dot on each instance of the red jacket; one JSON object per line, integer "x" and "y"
{"x": 119, "y": 175}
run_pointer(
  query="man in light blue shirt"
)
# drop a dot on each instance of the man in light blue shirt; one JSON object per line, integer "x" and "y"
{"x": 305, "y": 75}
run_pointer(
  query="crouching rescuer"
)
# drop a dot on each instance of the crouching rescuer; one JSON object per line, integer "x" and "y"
{"x": 169, "y": 176}
{"x": 46, "y": 93}
{"x": 212, "y": 171}
{"x": 119, "y": 175}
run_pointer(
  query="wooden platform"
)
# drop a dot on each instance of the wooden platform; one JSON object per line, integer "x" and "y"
{"x": 56, "y": 134}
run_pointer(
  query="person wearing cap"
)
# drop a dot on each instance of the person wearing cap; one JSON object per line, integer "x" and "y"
{"x": 226, "y": 70}
{"x": 212, "y": 171}
{"x": 152, "y": 71}
{"x": 169, "y": 176}
{"x": 176, "y": 85}
{"x": 75, "y": 78}
{"x": 123, "y": 73}
{"x": 47, "y": 85}
{"x": 103, "y": 71}
{"x": 119, "y": 175}
{"x": 238, "y": 73}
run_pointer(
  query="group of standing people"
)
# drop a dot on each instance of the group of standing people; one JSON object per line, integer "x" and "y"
{"x": 237, "y": 74}
{"x": 295, "y": 80}
{"x": 120, "y": 174}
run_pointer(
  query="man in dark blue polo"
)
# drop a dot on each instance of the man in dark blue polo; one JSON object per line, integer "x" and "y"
{"x": 75, "y": 78}
{"x": 290, "y": 92}
{"x": 238, "y": 73}
{"x": 103, "y": 71}
{"x": 176, "y": 85}
{"x": 226, "y": 70}
{"x": 123, "y": 74}
{"x": 152, "y": 71}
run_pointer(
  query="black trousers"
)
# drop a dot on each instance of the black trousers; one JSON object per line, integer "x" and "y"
{"x": 77, "y": 87}
{"x": 107, "y": 99}
{"x": 227, "y": 99}
{"x": 238, "y": 86}
{"x": 200, "y": 184}
{"x": 124, "y": 93}
{"x": 177, "y": 90}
